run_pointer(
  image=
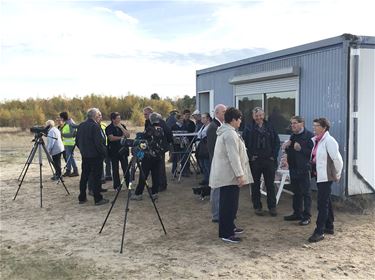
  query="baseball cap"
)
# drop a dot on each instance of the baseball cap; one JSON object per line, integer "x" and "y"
{"x": 196, "y": 112}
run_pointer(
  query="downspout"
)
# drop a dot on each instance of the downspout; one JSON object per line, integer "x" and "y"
{"x": 354, "y": 43}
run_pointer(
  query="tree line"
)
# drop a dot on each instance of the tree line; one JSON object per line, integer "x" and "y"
{"x": 25, "y": 114}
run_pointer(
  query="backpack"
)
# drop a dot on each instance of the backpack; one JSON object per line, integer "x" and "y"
{"x": 157, "y": 141}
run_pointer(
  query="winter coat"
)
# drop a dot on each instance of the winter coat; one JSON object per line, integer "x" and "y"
{"x": 299, "y": 161}
{"x": 211, "y": 137}
{"x": 54, "y": 146}
{"x": 328, "y": 159}
{"x": 230, "y": 159}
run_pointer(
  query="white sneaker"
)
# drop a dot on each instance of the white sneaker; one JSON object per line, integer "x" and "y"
{"x": 136, "y": 197}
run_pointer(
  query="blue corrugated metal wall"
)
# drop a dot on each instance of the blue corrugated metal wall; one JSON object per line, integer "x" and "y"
{"x": 322, "y": 92}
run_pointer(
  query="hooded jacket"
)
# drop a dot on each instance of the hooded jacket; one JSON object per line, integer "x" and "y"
{"x": 230, "y": 159}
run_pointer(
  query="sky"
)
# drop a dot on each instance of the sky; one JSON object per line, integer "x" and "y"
{"x": 75, "y": 48}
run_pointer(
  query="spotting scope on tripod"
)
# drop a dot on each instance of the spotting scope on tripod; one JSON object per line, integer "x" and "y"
{"x": 38, "y": 146}
{"x": 138, "y": 152}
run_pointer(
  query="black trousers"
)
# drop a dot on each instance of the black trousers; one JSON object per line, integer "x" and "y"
{"x": 153, "y": 165}
{"x": 57, "y": 163}
{"x": 325, "y": 217}
{"x": 302, "y": 194}
{"x": 228, "y": 206}
{"x": 163, "y": 175}
{"x": 115, "y": 160}
{"x": 267, "y": 168}
{"x": 92, "y": 169}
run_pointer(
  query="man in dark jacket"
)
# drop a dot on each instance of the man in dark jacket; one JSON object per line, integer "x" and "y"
{"x": 153, "y": 161}
{"x": 211, "y": 141}
{"x": 298, "y": 149}
{"x": 90, "y": 140}
{"x": 262, "y": 143}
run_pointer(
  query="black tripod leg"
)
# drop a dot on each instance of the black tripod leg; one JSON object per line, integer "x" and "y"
{"x": 125, "y": 219}
{"x": 40, "y": 182}
{"x": 150, "y": 195}
{"x": 110, "y": 209}
{"x": 117, "y": 194}
{"x": 27, "y": 162}
{"x": 30, "y": 160}
{"x": 50, "y": 161}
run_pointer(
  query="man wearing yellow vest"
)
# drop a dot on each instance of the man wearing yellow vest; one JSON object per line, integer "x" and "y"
{"x": 68, "y": 131}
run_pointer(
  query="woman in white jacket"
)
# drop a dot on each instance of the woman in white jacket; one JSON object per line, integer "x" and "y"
{"x": 230, "y": 170}
{"x": 55, "y": 147}
{"x": 326, "y": 167}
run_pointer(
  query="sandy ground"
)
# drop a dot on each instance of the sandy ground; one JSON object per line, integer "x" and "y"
{"x": 61, "y": 240}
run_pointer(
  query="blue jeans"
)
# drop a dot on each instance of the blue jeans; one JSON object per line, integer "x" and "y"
{"x": 325, "y": 213}
{"x": 215, "y": 203}
{"x": 70, "y": 158}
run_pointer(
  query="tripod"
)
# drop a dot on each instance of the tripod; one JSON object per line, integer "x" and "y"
{"x": 38, "y": 146}
{"x": 133, "y": 165}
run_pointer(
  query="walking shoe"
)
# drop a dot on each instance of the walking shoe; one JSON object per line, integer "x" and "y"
{"x": 238, "y": 230}
{"x": 74, "y": 174}
{"x": 102, "y": 201}
{"x": 54, "y": 178}
{"x": 259, "y": 212}
{"x": 329, "y": 231}
{"x": 292, "y": 217}
{"x": 136, "y": 197}
{"x": 304, "y": 222}
{"x": 155, "y": 196}
{"x": 231, "y": 239}
{"x": 82, "y": 201}
{"x": 316, "y": 237}
{"x": 66, "y": 174}
{"x": 273, "y": 212}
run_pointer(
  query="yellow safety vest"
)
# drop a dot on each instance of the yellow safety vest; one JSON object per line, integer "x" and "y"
{"x": 67, "y": 141}
{"x": 103, "y": 126}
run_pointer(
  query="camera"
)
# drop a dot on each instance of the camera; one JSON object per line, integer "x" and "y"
{"x": 139, "y": 146}
{"x": 39, "y": 131}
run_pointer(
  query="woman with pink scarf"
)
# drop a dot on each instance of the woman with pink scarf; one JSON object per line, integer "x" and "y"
{"x": 326, "y": 167}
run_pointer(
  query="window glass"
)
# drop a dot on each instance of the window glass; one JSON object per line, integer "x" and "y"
{"x": 247, "y": 103}
{"x": 279, "y": 108}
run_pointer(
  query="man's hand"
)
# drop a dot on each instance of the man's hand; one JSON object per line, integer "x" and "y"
{"x": 297, "y": 147}
{"x": 287, "y": 144}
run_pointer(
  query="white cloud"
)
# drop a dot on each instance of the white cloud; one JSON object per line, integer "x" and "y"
{"x": 56, "y": 47}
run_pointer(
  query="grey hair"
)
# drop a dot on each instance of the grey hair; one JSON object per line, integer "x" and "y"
{"x": 50, "y": 122}
{"x": 91, "y": 113}
{"x": 148, "y": 109}
{"x": 219, "y": 106}
{"x": 258, "y": 109}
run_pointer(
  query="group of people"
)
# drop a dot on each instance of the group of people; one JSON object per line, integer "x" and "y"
{"x": 239, "y": 161}
{"x": 227, "y": 159}
{"x": 61, "y": 143}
